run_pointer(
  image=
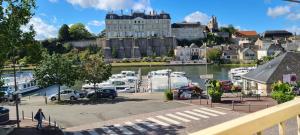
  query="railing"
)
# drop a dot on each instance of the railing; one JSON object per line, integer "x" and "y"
{"x": 256, "y": 123}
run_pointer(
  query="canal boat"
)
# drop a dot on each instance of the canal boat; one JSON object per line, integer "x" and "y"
{"x": 25, "y": 84}
{"x": 235, "y": 74}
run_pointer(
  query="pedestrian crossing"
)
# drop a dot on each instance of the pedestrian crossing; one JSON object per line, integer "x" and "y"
{"x": 153, "y": 123}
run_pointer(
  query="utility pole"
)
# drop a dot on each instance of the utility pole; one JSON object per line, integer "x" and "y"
{"x": 16, "y": 95}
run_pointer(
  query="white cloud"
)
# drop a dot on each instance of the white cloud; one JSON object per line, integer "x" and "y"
{"x": 113, "y": 4}
{"x": 197, "y": 17}
{"x": 294, "y": 29}
{"x": 96, "y": 23}
{"x": 43, "y": 29}
{"x": 278, "y": 11}
{"x": 53, "y": 1}
{"x": 293, "y": 16}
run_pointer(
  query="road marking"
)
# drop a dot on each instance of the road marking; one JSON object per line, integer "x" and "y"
{"x": 177, "y": 117}
{"x": 188, "y": 116}
{"x": 77, "y": 133}
{"x": 208, "y": 113}
{"x": 158, "y": 122}
{"x": 108, "y": 131}
{"x": 196, "y": 114}
{"x": 123, "y": 129}
{"x": 223, "y": 108}
{"x": 213, "y": 111}
{"x": 168, "y": 119}
{"x": 92, "y": 132}
{"x": 135, "y": 126}
{"x": 150, "y": 125}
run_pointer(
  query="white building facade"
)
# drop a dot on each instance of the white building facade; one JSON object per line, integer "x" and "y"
{"x": 183, "y": 53}
{"x": 138, "y": 25}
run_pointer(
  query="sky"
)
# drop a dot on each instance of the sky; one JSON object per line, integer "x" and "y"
{"x": 259, "y": 15}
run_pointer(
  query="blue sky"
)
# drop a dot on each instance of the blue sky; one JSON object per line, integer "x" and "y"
{"x": 259, "y": 15}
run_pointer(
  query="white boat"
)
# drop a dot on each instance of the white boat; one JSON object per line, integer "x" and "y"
{"x": 158, "y": 80}
{"x": 24, "y": 84}
{"x": 235, "y": 74}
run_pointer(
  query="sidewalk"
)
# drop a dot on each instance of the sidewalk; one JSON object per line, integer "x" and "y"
{"x": 28, "y": 127}
{"x": 246, "y": 105}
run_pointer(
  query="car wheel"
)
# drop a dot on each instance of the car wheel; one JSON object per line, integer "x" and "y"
{"x": 53, "y": 98}
{"x": 111, "y": 97}
{"x": 72, "y": 98}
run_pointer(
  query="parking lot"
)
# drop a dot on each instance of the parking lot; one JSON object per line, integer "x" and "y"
{"x": 69, "y": 114}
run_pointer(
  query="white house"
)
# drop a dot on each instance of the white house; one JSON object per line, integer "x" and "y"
{"x": 182, "y": 53}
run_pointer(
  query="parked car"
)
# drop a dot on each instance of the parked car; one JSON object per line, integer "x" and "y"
{"x": 65, "y": 95}
{"x": 82, "y": 93}
{"x": 103, "y": 93}
{"x": 227, "y": 86}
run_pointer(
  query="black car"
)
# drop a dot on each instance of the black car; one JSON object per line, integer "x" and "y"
{"x": 103, "y": 93}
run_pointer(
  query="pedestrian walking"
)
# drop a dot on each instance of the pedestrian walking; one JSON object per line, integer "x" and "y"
{"x": 39, "y": 116}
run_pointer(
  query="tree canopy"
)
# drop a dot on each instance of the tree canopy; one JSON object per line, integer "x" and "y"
{"x": 55, "y": 69}
{"x": 78, "y": 31}
{"x": 282, "y": 92}
{"x": 63, "y": 33}
{"x": 230, "y": 29}
{"x": 214, "y": 54}
{"x": 95, "y": 70}
{"x": 14, "y": 15}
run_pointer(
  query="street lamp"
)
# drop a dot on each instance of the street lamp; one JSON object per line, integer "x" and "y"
{"x": 16, "y": 95}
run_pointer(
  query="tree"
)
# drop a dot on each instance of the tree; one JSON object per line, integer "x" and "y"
{"x": 214, "y": 54}
{"x": 63, "y": 33}
{"x": 13, "y": 15}
{"x": 78, "y": 32}
{"x": 282, "y": 92}
{"x": 95, "y": 70}
{"x": 55, "y": 70}
{"x": 214, "y": 90}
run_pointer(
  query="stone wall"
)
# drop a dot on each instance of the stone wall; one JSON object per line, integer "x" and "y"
{"x": 136, "y": 48}
{"x": 83, "y": 43}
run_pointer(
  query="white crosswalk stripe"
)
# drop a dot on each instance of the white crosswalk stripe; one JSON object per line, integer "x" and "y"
{"x": 168, "y": 120}
{"x": 187, "y": 116}
{"x": 77, "y": 133}
{"x": 214, "y": 111}
{"x": 123, "y": 129}
{"x": 207, "y": 113}
{"x": 92, "y": 132}
{"x": 178, "y": 117}
{"x": 150, "y": 125}
{"x": 158, "y": 122}
{"x": 135, "y": 126}
{"x": 108, "y": 131}
{"x": 196, "y": 114}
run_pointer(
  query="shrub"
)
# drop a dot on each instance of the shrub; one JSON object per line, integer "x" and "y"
{"x": 168, "y": 95}
{"x": 282, "y": 92}
{"x": 215, "y": 92}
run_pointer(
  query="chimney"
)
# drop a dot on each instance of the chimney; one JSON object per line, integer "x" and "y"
{"x": 121, "y": 11}
{"x": 131, "y": 11}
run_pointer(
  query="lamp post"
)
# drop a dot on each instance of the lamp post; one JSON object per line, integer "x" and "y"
{"x": 16, "y": 95}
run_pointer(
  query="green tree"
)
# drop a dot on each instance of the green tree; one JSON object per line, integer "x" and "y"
{"x": 214, "y": 91}
{"x": 78, "y": 31}
{"x": 55, "y": 70}
{"x": 214, "y": 54}
{"x": 230, "y": 29}
{"x": 63, "y": 33}
{"x": 95, "y": 70}
{"x": 282, "y": 92}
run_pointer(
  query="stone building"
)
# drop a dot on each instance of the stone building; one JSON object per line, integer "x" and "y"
{"x": 188, "y": 31}
{"x": 213, "y": 24}
{"x": 138, "y": 25}
{"x": 136, "y": 47}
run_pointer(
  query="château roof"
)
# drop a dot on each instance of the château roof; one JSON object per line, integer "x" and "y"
{"x": 134, "y": 15}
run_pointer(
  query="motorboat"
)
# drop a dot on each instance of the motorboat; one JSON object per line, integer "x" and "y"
{"x": 235, "y": 74}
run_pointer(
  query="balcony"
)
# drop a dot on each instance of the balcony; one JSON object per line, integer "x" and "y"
{"x": 256, "y": 123}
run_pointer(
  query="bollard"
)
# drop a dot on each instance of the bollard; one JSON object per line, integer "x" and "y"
{"x": 23, "y": 114}
{"x": 49, "y": 121}
{"x": 54, "y": 123}
{"x": 211, "y": 103}
{"x": 249, "y": 109}
{"x": 207, "y": 101}
{"x": 190, "y": 100}
{"x": 200, "y": 99}
{"x": 46, "y": 100}
{"x": 232, "y": 104}
{"x": 267, "y": 105}
{"x": 32, "y": 116}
